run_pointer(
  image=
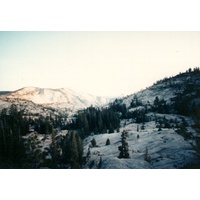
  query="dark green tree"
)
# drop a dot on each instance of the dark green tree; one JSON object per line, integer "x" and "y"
{"x": 11, "y": 145}
{"x": 100, "y": 162}
{"x": 99, "y": 122}
{"x": 79, "y": 148}
{"x": 137, "y": 127}
{"x": 53, "y": 146}
{"x": 96, "y": 120}
{"x": 66, "y": 149}
{"x": 93, "y": 142}
{"x": 124, "y": 150}
{"x": 110, "y": 130}
{"x": 108, "y": 141}
{"x": 72, "y": 149}
{"x": 74, "y": 152}
{"x": 147, "y": 157}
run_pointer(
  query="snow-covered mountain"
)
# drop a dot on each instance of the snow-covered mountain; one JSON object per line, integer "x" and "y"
{"x": 59, "y": 99}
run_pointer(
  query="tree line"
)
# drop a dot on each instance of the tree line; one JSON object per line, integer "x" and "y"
{"x": 72, "y": 148}
{"x": 12, "y": 127}
{"x": 95, "y": 120}
{"x": 17, "y": 152}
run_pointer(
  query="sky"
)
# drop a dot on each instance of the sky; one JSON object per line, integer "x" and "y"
{"x": 97, "y": 62}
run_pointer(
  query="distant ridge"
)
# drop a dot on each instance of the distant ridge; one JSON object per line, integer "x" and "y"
{"x": 4, "y": 92}
{"x": 60, "y": 99}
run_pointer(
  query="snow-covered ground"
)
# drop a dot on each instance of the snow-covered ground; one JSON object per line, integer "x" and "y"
{"x": 166, "y": 149}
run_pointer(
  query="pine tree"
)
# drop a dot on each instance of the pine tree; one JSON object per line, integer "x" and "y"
{"x": 100, "y": 123}
{"x": 79, "y": 148}
{"x": 156, "y": 103}
{"x": 54, "y": 146}
{"x": 111, "y": 130}
{"x": 100, "y": 162}
{"x": 11, "y": 145}
{"x": 124, "y": 151}
{"x": 146, "y": 156}
{"x": 74, "y": 153}
{"x": 138, "y": 128}
{"x": 108, "y": 141}
{"x": 72, "y": 149}
{"x": 93, "y": 141}
{"x": 66, "y": 149}
{"x": 16, "y": 146}
{"x": 3, "y": 143}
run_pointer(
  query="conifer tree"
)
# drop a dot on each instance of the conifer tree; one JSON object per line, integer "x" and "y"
{"x": 100, "y": 123}
{"x": 66, "y": 149}
{"x": 111, "y": 130}
{"x": 79, "y": 148}
{"x": 124, "y": 150}
{"x": 74, "y": 152}
{"x": 54, "y": 146}
{"x": 138, "y": 128}
{"x": 100, "y": 162}
{"x": 146, "y": 156}
{"x": 108, "y": 141}
{"x": 93, "y": 141}
{"x": 11, "y": 145}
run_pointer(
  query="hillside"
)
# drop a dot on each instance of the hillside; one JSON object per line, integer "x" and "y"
{"x": 162, "y": 123}
{"x": 166, "y": 148}
{"x": 187, "y": 84}
{"x": 44, "y": 101}
{"x": 155, "y": 128}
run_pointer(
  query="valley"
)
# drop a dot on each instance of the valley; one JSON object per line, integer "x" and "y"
{"x": 155, "y": 128}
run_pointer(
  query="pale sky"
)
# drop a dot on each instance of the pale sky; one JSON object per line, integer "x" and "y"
{"x": 100, "y": 63}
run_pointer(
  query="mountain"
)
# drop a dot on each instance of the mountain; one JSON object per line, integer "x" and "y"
{"x": 162, "y": 125}
{"x": 64, "y": 99}
{"x": 4, "y": 92}
{"x": 155, "y": 128}
{"x": 185, "y": 84}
